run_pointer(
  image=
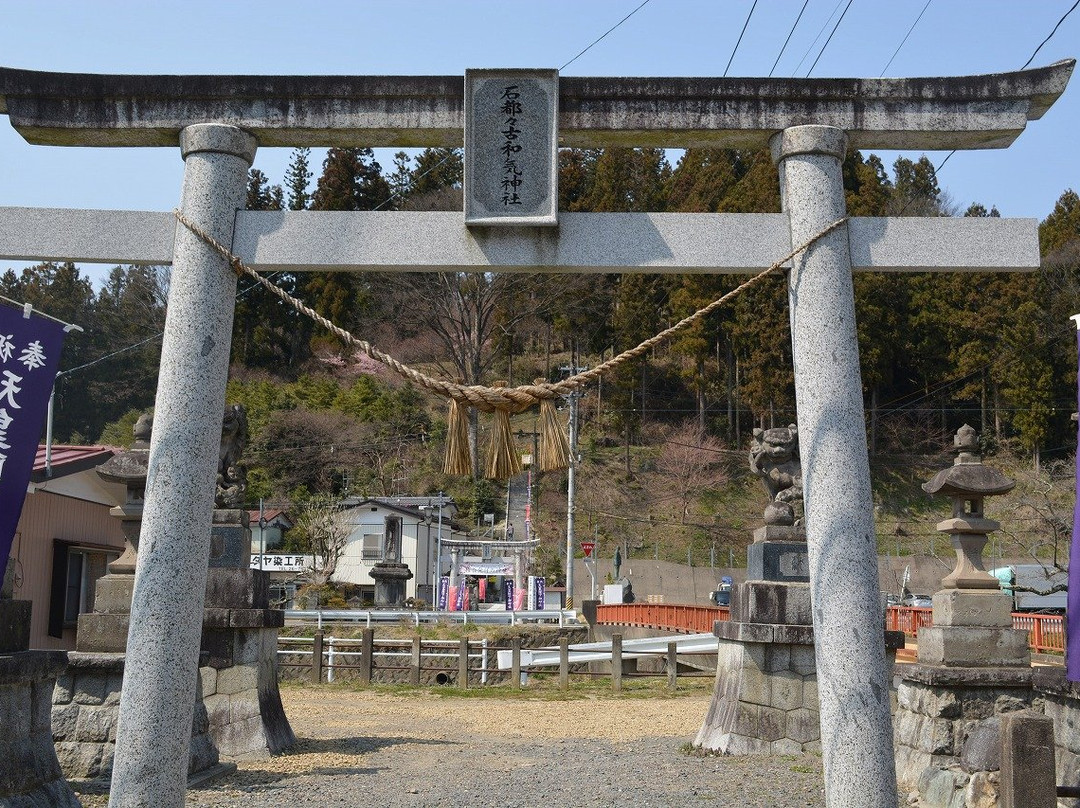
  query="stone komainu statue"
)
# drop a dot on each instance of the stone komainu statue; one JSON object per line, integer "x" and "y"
{"x": 774, "y": 456}
{"x": 231, "y": 473}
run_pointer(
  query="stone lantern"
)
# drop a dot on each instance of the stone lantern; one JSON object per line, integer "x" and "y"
{"x": 968, "y": 482}
{"x": 972, "y": 616}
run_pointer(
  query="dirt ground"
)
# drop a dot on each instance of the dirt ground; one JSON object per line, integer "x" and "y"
{"x": 415, "y": 749}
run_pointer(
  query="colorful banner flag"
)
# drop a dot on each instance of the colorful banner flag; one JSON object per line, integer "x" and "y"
{"x": 444, "y": 593}
{"x": 30, "y": 348}
{"x": 508, "y": 594}
{"x": 1072, "y": 607}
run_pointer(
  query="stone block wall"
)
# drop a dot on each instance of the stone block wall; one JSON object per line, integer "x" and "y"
{"x": 1061, "y": 702}
{"x": 239, "y": 691}
{"x": 85, "y": 707}
{"x": 947, "y": 732}
{"x": 767, "y": 701}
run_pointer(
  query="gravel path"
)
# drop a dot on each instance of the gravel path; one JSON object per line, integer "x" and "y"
{"x": 418, "y": 750}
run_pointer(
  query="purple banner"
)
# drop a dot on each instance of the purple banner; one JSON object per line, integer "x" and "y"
{"x": 1072, "y": 611}
{"x": 459, "y": 596}
{"x": 539, "y": 592}
{"x": 29, "y": 353}
{"x": 444, "y": 593}
{"x": 508, "y": 594}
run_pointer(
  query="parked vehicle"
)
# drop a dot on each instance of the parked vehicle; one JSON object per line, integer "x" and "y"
{"x": 917, "y": 601}
{"x": 1030, "y": 586}
{"x": 722, "y": 595}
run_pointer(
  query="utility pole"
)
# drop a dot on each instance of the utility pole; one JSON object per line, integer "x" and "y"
{"x": 570, "y": 474}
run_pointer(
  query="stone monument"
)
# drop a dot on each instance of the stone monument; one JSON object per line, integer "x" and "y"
{"x": 390, "y": 574}
{"x": 973, "y": 666}
{"x": 765, "y": 700}
{"x": 779, "y": 549}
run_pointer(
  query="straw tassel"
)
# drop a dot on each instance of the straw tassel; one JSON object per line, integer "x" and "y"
{"x": 504, "y": 461}
{"x": 554, "y": 445}
{"x": 458, "y": 459}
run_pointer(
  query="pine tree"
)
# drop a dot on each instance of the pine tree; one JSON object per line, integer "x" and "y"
{"x": 298, "y": 179}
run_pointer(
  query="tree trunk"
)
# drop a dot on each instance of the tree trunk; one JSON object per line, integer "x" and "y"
{"x": 984, "y": 415}
{"x": 997, "y": 414}
{"x": 738, "y": 430}
{"x": 474, "y": 443}
{"x": 701, "y": 395}
{"x": 873, "y": 420}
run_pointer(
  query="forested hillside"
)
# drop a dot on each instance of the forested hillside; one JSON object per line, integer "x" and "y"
{"x": 937, "y": 350}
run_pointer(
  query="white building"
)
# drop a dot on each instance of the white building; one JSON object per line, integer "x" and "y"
{"x": 413, "y": 522}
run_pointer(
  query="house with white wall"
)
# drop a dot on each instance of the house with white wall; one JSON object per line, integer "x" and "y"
{"x": 412, "y": 521}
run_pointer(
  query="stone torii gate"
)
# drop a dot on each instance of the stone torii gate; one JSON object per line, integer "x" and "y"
{"x": 219, "y": 121}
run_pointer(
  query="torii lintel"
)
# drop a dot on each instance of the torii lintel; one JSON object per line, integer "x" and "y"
{"x": 966, "y": 112}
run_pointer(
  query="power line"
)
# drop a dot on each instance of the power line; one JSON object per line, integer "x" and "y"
{"x": 1051, "y": 34}
{"x": 741, "y": 33}
{"x": 792, "y": 31}
{"x": 819, "y": 33}
{"x": 827, "y": 41}
{"x": 608, "y": 31}
{"x": 905, "y": 39}
{"x": 1029, "y": 61}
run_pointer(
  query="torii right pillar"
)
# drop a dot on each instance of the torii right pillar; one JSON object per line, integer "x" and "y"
{"x": 853, "y": 679}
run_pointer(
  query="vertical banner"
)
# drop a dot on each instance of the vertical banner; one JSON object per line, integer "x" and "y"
{"x": 508, "y": 594}
{"x": 459, "y": 597}
{"x": 29, "y": 353}
{"x": 1072, "y": 611}
{"x": 539, "y": 593}
{"x": 481, "y": 589}
{"x": 444, "y": 593}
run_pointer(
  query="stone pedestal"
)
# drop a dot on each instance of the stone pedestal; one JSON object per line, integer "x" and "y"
{"x": 238, "y": 712}
{"x": 778, "y": 554}
{"x": 948, "y": 730}
{"x": 85, "y": 707}
{"x": 390, "y": 578}
{"x": 30, "y": 775}
{"x": 230, "y": 539}
{"x": 973, "y": 667}
{"x": 766, "y": 695}
{"x": 1061, "y": 702}
{"x": 238, "y": 682}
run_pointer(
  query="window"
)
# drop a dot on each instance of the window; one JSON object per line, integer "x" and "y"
{"x": 75, "y": 574}
{"x": 372, "y": 549}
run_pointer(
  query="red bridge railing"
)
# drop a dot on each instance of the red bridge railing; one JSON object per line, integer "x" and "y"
{"x": 1046, "y": 632}
{"x": 665, "y": 616}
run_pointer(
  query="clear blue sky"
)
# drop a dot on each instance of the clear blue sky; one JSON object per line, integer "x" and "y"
{"x": 439, "y": 37}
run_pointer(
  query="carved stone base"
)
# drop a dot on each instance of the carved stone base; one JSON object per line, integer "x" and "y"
{"x": 390, "y": 578}
{"x": 773, "y": 560}
{"x": 85, "y": 706}
{"x": 30, "y": 775}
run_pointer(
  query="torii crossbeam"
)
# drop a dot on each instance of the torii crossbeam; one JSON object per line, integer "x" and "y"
{"x": 219, "y": 121}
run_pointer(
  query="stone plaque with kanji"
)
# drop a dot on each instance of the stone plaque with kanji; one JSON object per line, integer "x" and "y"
{"x": 511, "y": 147}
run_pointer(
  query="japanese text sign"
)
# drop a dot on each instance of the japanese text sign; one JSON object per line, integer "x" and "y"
{"x": 511, "y": 147}
{"x": 29, "y": 353}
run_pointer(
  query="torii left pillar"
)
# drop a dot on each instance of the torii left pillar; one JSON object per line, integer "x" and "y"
{"x": 157, "y": 702}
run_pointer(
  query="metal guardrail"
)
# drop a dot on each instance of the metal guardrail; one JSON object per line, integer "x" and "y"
{"x": 371, "y": 617}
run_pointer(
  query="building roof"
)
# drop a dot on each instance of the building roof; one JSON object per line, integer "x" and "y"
{"x": 69, "y": 460}
{"x": 269, "y": 514}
